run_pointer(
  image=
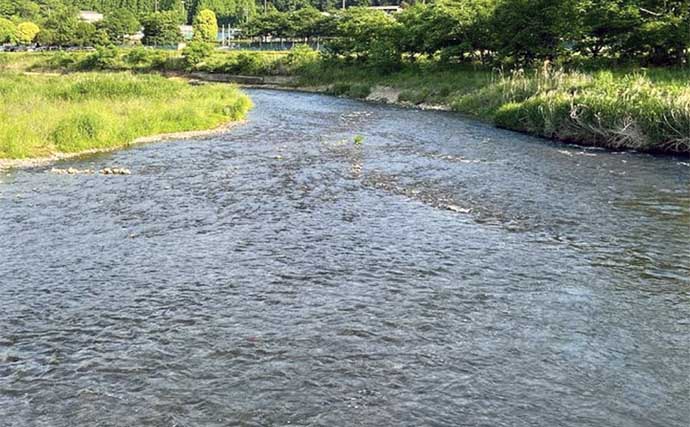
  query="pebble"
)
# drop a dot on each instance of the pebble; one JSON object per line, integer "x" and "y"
{"x": 116, "y": 171}
{"x": 104, "y": 171}
{"x": 71, "y": 171}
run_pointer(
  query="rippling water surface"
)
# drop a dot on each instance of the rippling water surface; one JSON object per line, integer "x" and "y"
{"x": 441, "y": 273}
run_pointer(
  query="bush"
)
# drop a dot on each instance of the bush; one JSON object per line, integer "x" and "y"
{"x": 356, "y": 90}
{"x": 8, "y": 31}
{"x": 26, "y": 32}
{"x": 301, "y": 56}
{"x": 196, "y": 53}
{"x": 359, "y": 91}
{"x": 161, "y": 29}
{"x": 249, "y": 63}
{"x": 104, "y": 58}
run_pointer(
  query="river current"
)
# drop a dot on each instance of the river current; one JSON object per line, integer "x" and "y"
{"x": 441, "y": 272}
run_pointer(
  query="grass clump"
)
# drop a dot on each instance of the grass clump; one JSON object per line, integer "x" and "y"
{"x": 626, "y": 112}
{"x": 43, "y": 115}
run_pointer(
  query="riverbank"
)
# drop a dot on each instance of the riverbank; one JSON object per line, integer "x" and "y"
{"x": 632, "y": 111}
{"x": 6, "y": 164}
{"x": 645, "y": 110}
{"x": 47, "y": 117}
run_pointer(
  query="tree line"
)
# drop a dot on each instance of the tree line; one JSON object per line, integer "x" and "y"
{"x": 648, "y": 32}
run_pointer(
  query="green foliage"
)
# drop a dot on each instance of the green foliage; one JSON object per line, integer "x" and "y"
{"x": 249, "y": 63}
{"x": 629, "y": 112}
{"x": 196, "y": 53}
{"x": 300, "y": 57}
{"x": 352, "y": 90}
{"x": 59, "y": 28}
{"x": 104, "y": 58}
{"x": 86, "y": 111}
{"x": 161, "y": 29}
{"x": 533, "y": 29}
{"x": 359, "y": 30}
{"x": 205, "y": 27}
{"x": 8, "y": 31}
{"x": 119, "y": 23}
{"x": 233, "y": 12}
{"x": 141, "y": 58}
{"x": 26, "y": 32}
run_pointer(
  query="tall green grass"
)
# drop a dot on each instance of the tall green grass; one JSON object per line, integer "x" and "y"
{"x": 42, "y": 115}
{"x": 624, "y": 111}
{"x": 641, "y": 109}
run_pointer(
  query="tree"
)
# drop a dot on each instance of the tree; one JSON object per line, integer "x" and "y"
{"x": 368, "y": 36}
{"x": 304, "y": 23}
{"x": 161, "y": 29}
{"x": 663, "y": 37}
{"x": 606, "y": 25}
{"x": 59, "y": 28}
{"x": 8, "y": 31}
{"x": 528, "y": 30}
{"x": 273, "y": 24}
{"x": 232, "y": 12}
{"x": 119, "y": 23}
{"x": 26, "y": 32}
{"x": 197, "y": 52}
{"x": 205, "y": 27}
{"x": 457, "y": 28}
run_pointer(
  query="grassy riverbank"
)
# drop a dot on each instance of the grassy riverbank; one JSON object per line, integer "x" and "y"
{"x": 44, "y": 115}
{"x": 645, "y": 110}
{"x": 641, "y": 109}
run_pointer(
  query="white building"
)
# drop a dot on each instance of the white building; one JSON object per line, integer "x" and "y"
{"x": 90, "y": 16}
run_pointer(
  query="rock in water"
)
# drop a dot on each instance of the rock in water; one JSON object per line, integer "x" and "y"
{"x": 457, "y": 209}
{"x": 116, "y": 171}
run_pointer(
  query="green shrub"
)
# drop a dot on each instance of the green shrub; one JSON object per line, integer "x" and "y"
{"x": 141, "y": 58}
{"x": 196, "y": 53}
{"x": 301, "y": 56}
{"x": 250, "y": 63}
{"x": 359, "y": 91}
{"x": 104, "y": 58}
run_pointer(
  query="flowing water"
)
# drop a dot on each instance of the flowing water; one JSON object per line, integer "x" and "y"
{"x": 441, "y": 272}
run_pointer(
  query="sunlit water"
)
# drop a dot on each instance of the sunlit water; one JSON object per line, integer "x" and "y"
{"x": 442, "y": 272}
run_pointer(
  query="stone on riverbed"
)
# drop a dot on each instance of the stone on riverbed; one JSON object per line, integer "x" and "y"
{"x": 115, "y": 171}
{"x": 104, "y": 171}
{"x": 71, "y": 171}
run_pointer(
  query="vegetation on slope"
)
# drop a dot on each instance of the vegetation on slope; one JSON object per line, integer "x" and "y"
{"x": 44, "y": 115}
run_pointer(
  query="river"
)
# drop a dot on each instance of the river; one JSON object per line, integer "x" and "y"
{"x": 441, "y": 272}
